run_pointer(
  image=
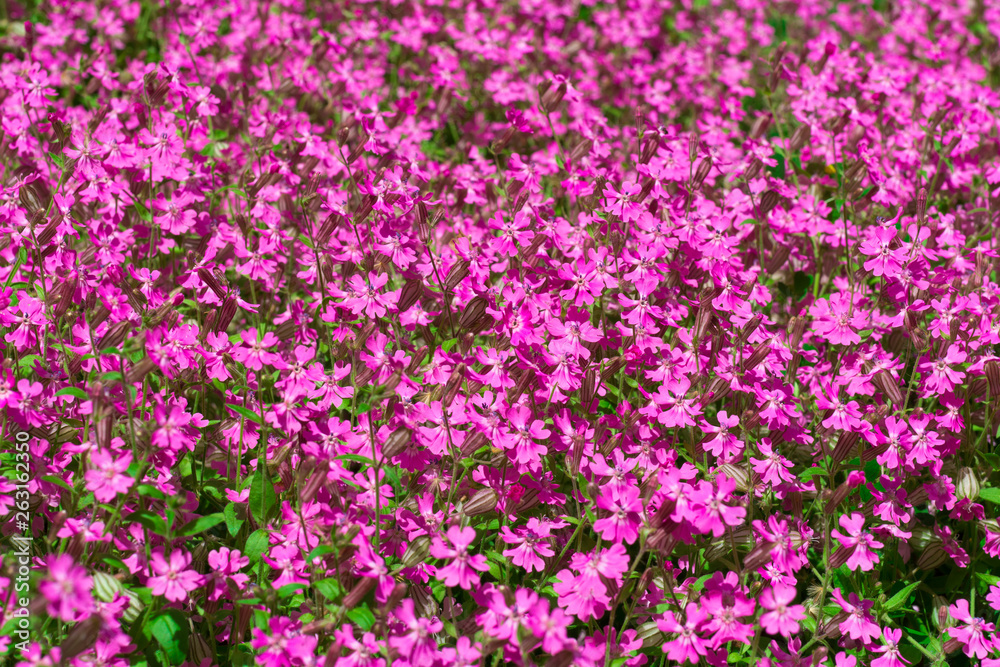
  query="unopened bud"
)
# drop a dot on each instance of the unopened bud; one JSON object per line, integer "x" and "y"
{"x": 552, "y": 97}
{"x": 473, "y": 314}
{"x": 398, "y": 441}
{"x": 526, "y": 380}
{"x": 81, "y": 637}
{"x": 704, "y": 167}
{"x": 482, "y": 502}
{"x": 967, "y": 484}
{"x": 457, "y": 274}
{"x": 760, "y": 127}
{"x": 768, "y": 201}
{"x": 799, "y": 138}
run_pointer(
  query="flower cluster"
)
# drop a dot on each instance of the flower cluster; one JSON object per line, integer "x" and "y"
{"x": 472, "y": 333}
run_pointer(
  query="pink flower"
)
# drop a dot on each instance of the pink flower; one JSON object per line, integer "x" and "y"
{"x": 105, "y": 478}
{"x": 940, "y": 376}
{"x": 837, "y": 321}
{"x": 885, "y": 261}
{"x": 782, "y": 618}
{"x": 891, "y": 656}
{"x": 461, "y": 571}
{"x": 858, "y": 539}
{"x": 859, "y": 623}
{"x": 66, "y": 587}
{"x": 687, "y": 646}
{"x": 173, "y": 580}
{"x": 255, "y": 354}
{"x": 625, "y": 516}
{"x": 416, "y": 638}
{"x": 532, "y": 545}
{"x": 973, "y": 634}
{"x": 710, "y": 502}
{"x": 364, "y": 297}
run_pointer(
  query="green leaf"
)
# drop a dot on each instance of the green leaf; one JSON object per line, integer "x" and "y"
{"x": 289, "y": 590}
{"x": 74, "y": 391}
{"x": 150, "y": 491}
{"x": 900, "y": 598}
{"x": 150, "y": 521}
{"x": 812, "y": 472}
{"x": 362, "y": 617}
{"x": 448, "y": 344}
{"x": 329, "y": 588}
{"x": 201, "y": 524}
{"x": 700, "y": 583}
{"x": 262, "y": 495}
{"x": 52, "y": 479}
{"x": 233, "y": 520}
{"x": 991, "y": 494}
{"x": 256, "y": 544}
{"x": 143, "y": 212}
{"x": 319, "y": 551}
{"x": 246, "y": 412}
{"x": 988, "y": 579}
{"x": 170, "y": 627}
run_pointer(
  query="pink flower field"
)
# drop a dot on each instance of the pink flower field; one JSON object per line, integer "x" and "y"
{"x": 430, "y": 333}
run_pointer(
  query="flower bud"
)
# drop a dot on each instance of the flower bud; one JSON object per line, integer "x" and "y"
{"x": 366, "y": 585}
{"x": 992, "y": 369}
{"x": 456, "y": 274}
{"x": 106, "y": 587}
{"x": 884, "y": 381}
{"x": 799, "y": 138}
{"x": 135, "y": 607}
{"x": 933, "y": 556}
{"x": 760, "y": 126}
{"x": 754, "y": 169}
{"x": 199, "y": 649}
{"x": 582, "y": 149}
{"x": 704, "y": 167}
{"x": 474, "y": 314}
{"x": 526, "y": 380}
{"x": 840, "y": 557}
{"x": 768, "y": 201}
{"x": 779, "y": 255}
{"x": 398, "y": 441}
{"x": 454, "y": 384}
{"x": 611, "y": 369}
{"x": 967, "y": 484}
{"x": 81, "y": 637}
{"x": 846, "y": 443}
{"x": 758, "y": 355}
{"x": 552, "y": 97}
{"x": 482, "y": 502}
{"x": 921, "y": 205}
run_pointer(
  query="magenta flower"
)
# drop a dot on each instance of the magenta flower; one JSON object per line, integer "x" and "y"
{"x": 885, "y": 260}
{"x": 66, "y": 588}
{"x": 973, "y": 634}
{"x": 891, "y": 656}
{"x": 416, "y": 639}
{"x": 461, "y": 571}
{"x": 255, "y": 354}
{"x": 625, "y": 508}
{"x": 859, "y": 624}
{"x": 687, "y": 646}
{"x": 105, "y": 478}
{"x": 172, "y": 579}
{"x": 365, "y": 298}
{"x": 781, "y": 618}
{"x": 859, "y": 541}
{"x": 710, "y": 502}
